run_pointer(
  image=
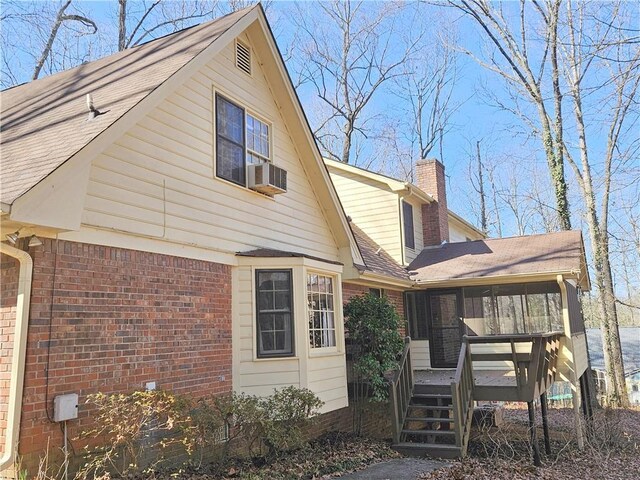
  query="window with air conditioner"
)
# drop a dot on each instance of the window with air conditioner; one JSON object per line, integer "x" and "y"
{"x": 243, "y": 149}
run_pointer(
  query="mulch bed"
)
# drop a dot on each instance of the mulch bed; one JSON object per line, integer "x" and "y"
{"x": 329, "y": 456}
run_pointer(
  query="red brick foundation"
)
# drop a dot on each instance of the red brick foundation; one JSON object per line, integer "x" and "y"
{"x": 113, "y": 319}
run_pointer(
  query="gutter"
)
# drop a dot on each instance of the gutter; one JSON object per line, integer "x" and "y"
{"x": 495, "y": 279}
{"x": 5, "y": 208}
{"x": 378, "y": 278}
{"x": 19, "y": 353}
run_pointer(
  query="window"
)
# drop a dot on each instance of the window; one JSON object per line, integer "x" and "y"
{"x": 274, "y": 313}
{"x": 407, "y": 218}
{"x": 320, "y": 307}
{"x": 241, "y": 139}
{"x": 376, "y": 292}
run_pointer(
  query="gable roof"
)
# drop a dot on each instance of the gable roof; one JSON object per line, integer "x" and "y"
{"x": 491, "y": 259}
{"x": 125, "y": 86}
{"x": 44, "y": 122}
{"x": 377, "y": 260}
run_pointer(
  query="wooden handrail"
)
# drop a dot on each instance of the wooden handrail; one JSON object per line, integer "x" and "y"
{"x": 462, "y": 398}
{"x": 534, "y": 370}
{"x": 400, "y": 390}
{"x": 506, "y": 338}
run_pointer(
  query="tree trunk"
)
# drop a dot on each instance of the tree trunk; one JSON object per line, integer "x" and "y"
{"x": 122, "y": 25}
{"x": 483, "y": 203}
{"x": 47, "y": 48}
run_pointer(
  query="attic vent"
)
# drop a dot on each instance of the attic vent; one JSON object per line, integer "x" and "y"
{"x": 243, "y": 57}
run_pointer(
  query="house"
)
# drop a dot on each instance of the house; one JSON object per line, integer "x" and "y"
{"x": 505, "y": 311}
{"x": 168, "y": 222}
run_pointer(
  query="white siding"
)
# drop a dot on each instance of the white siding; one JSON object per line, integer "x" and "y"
{"x": 257, "y": 377}
{"x": 324, "y": 374}
{"x": 158, "y": 179}
{"x": 412, "y": 253}
{"x": 372, "y": 208}
{"x": 420, "y": 354}
{"x": 456, "y": 234}
{"x": 327, "y": 376}
{"x": 580, "y": 352}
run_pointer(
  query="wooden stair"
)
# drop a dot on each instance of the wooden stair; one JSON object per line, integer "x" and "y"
{"x": 428, "y": 425}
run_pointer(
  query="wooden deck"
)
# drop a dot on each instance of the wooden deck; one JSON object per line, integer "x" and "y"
{"x": 483, "y": 378}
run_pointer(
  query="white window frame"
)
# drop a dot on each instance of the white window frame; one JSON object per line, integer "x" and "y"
{"x": 325, "y": 329}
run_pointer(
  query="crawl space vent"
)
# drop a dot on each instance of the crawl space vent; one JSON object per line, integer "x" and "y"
{"x": 243, "y": 58}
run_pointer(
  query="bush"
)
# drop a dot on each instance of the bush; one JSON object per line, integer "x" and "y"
{"x": 139, "y": 430}
{"x": 135, "y": 431}
{"x": 372, "y": 325}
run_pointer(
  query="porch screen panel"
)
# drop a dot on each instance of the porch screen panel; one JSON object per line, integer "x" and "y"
{"x": 416, "y": 311}
{"x": 479, "y": 311}
{"x": 445, "y": 330}
{"x": 513, "y": 309}
{"x": 510, "y": 308}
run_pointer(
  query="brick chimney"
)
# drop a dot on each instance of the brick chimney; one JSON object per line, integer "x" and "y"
{"x": 435, "y": 220}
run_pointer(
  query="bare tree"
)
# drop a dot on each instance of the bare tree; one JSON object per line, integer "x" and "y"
{"x": 426, "y": 89}
{"x": 348, "y": 51}
{"x": 143, "y": 21}
{"x": 61, "y": 17}
{"x": 481, "y": 194}
{"x": 525, "y": 72}
{"x": 588, "y": 53}
{"x": 608, "y": 47}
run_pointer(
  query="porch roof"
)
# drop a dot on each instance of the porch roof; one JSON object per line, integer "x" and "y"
{"x": 503, "y": 259}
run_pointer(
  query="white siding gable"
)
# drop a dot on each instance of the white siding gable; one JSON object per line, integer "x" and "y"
{"x": 158, "y": 179}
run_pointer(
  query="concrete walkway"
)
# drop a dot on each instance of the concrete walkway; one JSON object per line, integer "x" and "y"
{"x": 397, "y": 469}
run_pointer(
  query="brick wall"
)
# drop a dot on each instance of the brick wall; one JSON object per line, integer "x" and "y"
{"x": 376, "y": 421}
{"x": 430, "y": 178}
{"x": 395, "y": 297}
{"x": 121, "y": 318}
{"x": 9, "y": 274}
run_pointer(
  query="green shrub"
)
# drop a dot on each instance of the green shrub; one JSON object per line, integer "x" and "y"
{"x": 372, "y": 325}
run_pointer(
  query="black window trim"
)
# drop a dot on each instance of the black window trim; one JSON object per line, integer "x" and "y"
{"x": 405, "y": 224}
{"x": 244, "y": 139}
{"x": 245, "y": 149}
{"x": 257, "y": 314}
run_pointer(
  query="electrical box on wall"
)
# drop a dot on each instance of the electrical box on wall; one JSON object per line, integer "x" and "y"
{"x": 65, "y": 407}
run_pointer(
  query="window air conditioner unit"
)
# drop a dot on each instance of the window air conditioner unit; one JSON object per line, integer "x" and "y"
{"x": 267, "y": 178}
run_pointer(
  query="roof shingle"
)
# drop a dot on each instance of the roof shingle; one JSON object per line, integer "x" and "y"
{"x": 376, "y": 259}
{"x": 44, "y": 122}
{"x": 532, "y": 254}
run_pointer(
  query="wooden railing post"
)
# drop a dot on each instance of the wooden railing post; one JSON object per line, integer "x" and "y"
{"x": 400, "y": 391}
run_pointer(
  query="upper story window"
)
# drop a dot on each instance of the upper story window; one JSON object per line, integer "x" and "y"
{"x": 241, "y": 139}
{"x": 407, "y": 218}
{"x": 321, "y": 311}
{"x": 274, "y": 313}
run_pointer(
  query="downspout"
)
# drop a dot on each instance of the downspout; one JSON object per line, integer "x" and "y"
{"x": 19, "y": 353}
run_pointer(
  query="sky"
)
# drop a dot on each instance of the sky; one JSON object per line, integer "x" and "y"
{"x": 503, "y": 138}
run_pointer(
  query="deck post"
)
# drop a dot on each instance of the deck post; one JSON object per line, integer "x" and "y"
{"x": 545, "y": 423}
{"x": 534, "y": 437}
